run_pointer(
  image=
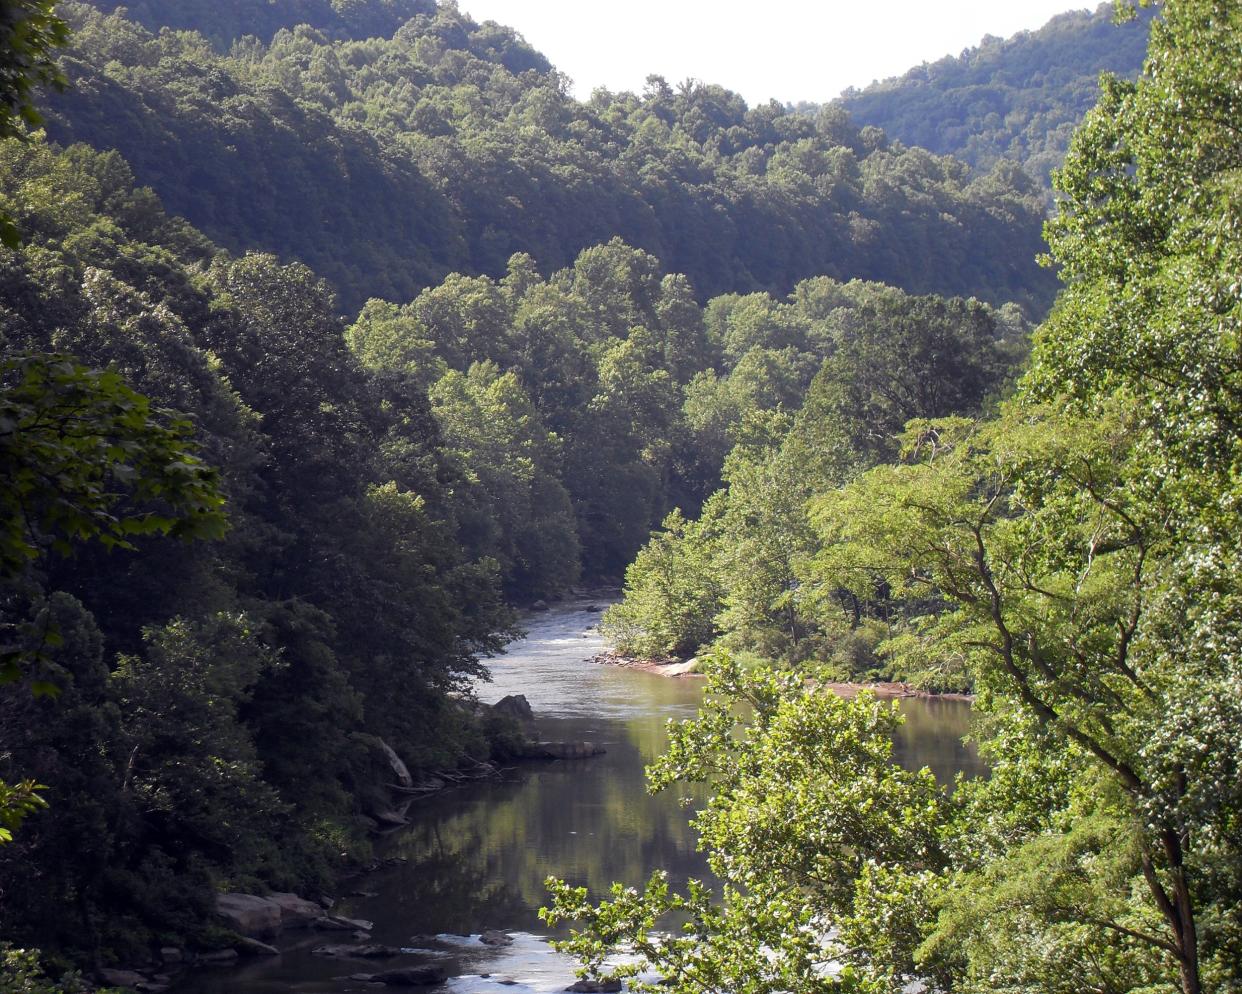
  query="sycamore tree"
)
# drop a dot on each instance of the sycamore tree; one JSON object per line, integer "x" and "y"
{"x": 1080, "y": 553}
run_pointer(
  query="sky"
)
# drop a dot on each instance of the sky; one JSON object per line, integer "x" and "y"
{"x": 788, "y": 49}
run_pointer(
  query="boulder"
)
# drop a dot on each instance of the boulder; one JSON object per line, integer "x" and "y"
{"x": 122, "y": 978}
{"x": 514, "y": 706}
{"x": 357, "y": 952}
{"x": 295, "y": 912}
{"x": 172, "y": 954}
{"x": 249, "y": 915}
{"x": 561, "y": 750}
{"x": 335, "y": 923}
{"x": 253, "y": 947}
{"x": 494, "y": 937}
{"x": 411, "y": 976}
{"x": 595, "y": 987}
{"x": 218, "y": 957}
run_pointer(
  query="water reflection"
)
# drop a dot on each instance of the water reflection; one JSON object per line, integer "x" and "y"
{"x": 477, "y": 857}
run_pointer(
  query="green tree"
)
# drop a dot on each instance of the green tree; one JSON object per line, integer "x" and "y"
{"x": 30, "y": 32}
{"x": 1079, "y": 554}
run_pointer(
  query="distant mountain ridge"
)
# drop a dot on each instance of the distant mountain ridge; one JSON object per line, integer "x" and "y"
{"x": 1018, "y": 98}
{"x": 387, "y": 162}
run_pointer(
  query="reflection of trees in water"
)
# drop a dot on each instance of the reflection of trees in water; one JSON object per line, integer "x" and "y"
{"x": 447, "y": 885}
{"x": 932, "y": 737}
{"x": 481, "y": 855}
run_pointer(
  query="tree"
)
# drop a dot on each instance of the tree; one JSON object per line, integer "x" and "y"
{"x": 29, "y": 34}
{"x": 85, "y": 458}
{"x": 1079, "y": 553}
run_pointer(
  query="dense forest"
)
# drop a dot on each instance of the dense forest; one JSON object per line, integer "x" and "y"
{"x": 333, "y": 333}
{"x": 1071, "y": 553}
{"x": 389, "y": 162}
{"x": 1016, "y": 99}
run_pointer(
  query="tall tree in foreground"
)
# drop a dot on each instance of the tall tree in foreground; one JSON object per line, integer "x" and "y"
{"x": 1081, "y": 554}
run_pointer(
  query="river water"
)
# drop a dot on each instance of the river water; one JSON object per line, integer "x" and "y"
{"x": 476, "y": 857}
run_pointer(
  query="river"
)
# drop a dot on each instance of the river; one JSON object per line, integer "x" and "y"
{"x": 476, "y": 857}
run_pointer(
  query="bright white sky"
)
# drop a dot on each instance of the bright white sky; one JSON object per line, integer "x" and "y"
{"x": 788, "y": 49}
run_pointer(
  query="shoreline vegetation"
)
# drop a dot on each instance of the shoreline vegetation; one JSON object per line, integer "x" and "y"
{"x": 680, "y": 668}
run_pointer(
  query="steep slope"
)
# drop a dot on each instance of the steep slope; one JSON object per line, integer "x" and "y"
{"x": 387, "y": 163}
{"x": 1018, "y": 98}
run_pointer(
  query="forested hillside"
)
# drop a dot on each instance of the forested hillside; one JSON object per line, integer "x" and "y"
{"x": 387, "y": 163}
{"x": 1073, "y": 553}
{"x": 334, "y": 331}
{"x": 225, "y": 21}
{"x": 1017, "y": 99}
{"x": 389, "y": 485}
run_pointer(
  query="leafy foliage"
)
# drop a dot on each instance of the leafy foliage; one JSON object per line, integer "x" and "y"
{"x": 449, "y": 146}
{"x": 1077, "y": 553}
{"x": 1013, "y": 100}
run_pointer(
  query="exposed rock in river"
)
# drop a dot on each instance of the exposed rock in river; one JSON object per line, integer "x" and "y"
{"x": 409, "y": 976}
{"x": 295, "y": 912}
{"x": 560, "y": 750}
{"x": 357, "y": 952}
{"x": 253, "y": 947}
{"x": 249, "y": 915}
{"x": 595, "y": 987}
{"x": 335, "y": 923}
{"x": 514, "y": 706}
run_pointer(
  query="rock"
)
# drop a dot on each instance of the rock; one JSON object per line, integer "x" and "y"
{"x": 335, "y": 923}
{"x": 253, "y": 947}
{"x": 360, "y": 936}
{"x": 494, "y": 937}
{"x": 218, "y": 957}
{"x": 122, "y": 978}
{"x": 411, "y": 976}
{"x": 363, "y": 893}
{"x": 255, "y": 917}
{"x": 690, "y": 666}
{"x": 505, "y": 981}
{"x": 595, "y": 987}
{"x": 561, "y": 750}
{"x": 539, "y": 606}
{"x": 172, "y": 954}
{"x": 514, "y": 706}
{"x": 295, "y": 912}
{"x": 399, "y": 769}
{"x": 356, "y": 952}
{"x": 327, "y": 902}
{"x": 152, "y": 987}
{"x": 390, "y": 819}
{"x": 594, "y": 608}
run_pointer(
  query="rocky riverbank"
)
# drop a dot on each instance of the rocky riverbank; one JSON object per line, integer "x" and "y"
{"x": 693, "y": 668}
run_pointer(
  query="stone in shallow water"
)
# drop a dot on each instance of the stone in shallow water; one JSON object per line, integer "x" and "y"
{"x": 494, "y": 937}
{"x": 595, "y": 987}
{"x": 358, "y": 952}
{"x": 411, "y": 976}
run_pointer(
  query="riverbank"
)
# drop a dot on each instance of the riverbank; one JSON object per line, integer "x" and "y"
{"x": 679, "y": 669}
